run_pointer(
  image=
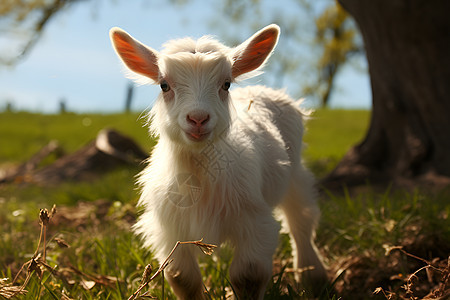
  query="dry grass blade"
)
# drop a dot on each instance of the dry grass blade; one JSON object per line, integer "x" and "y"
{"x": 147, "y": 295}
{"x": 61, "y": 243}
{"x": 388, "y": 295}
{"x": 65, "y": 297}
{"x": 413, "y": 279}
{"x": 147, "y": 274}
{"x": 44, "y": 219}
{"x": 98, "y": 279}
{"x": 44, "y": 216}
{"x": 207, "y": 249}
{"x": 8, "y": 290}
{"x": 444, "y": 290}
{"x": 37, "y": 263}
{"x": 35, "y": 266}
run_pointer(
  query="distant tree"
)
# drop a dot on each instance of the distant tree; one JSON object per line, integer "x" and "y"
{"x": 338, "y": 41}
{"x": 24, "y": 21}
{"x": 9, "y": 106}
{"x": 318, "y": 42}
{"x": 408, "y": 52}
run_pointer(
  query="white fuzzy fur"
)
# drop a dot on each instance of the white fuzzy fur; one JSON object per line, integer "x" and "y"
{"x": 248, "y": 166}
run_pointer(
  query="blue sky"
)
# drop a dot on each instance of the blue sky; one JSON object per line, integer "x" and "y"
{"x": 74, "y": 59}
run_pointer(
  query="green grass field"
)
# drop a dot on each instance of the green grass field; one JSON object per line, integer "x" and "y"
{"x": 105, "y": 261}
{"x": 23, "y": 134}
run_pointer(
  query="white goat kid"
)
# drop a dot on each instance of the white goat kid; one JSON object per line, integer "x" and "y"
{"x": 224, "y": 161}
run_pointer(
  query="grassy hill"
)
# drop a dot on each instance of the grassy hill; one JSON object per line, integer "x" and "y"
{"x": 329, "y": 132}
{"x": 106, "y": 261}
{"x": 23, "y": 134}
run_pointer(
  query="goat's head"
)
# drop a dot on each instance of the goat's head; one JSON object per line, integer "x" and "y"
{"x": 194, "y": 76}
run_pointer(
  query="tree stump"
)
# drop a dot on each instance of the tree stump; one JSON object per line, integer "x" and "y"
{"x": 109, "y": 150}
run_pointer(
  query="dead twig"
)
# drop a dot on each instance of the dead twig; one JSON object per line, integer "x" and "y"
{"x": 440, "y": 293}
{"x": 207, "y": 249}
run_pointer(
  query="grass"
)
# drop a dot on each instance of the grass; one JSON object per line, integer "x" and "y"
{"x": 105, "y": 261}
{"x": 371, "y": 220}
{"x": 358, "y": 232}
{"x": 329, "y": 134}
{"x": 23, "y": 134}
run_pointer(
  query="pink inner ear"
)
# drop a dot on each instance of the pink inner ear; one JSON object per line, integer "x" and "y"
{"x": 137, "y": 57}
{"x": 255, "y": 54}
{"x": 263, "y": 45}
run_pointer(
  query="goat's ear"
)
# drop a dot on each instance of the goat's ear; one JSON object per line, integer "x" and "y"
{"x": 136, "y": 56}
{"x": 253, "y": 53}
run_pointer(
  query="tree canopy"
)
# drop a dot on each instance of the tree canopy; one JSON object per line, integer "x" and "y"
{"x": 320, "y": 38}
{"x": 23, "y": 22}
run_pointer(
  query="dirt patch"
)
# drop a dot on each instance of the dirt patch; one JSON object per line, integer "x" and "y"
{"x": 398, "y": 275}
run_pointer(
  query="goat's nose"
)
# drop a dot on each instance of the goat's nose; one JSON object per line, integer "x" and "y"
{"x": 197, "y": 118}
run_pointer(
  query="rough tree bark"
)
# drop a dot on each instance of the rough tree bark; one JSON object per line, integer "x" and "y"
{"x": 407, "y": 45}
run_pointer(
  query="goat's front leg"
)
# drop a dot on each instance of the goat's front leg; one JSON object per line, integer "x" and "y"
{"x": 184, "y": 275}
{"x": 254, "y": 244}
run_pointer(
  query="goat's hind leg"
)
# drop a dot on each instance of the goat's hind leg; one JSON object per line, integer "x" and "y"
{"x": 302, "y": 215}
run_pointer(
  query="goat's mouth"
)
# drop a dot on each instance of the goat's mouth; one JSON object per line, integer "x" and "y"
{"x": 197, "y": 136}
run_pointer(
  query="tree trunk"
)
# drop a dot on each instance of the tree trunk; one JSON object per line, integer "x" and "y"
{"x": 408, "y": 51}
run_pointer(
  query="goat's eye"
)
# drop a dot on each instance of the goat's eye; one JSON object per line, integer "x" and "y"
{"x": 165, "y": 87}
{"x": 226, "y": 85}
